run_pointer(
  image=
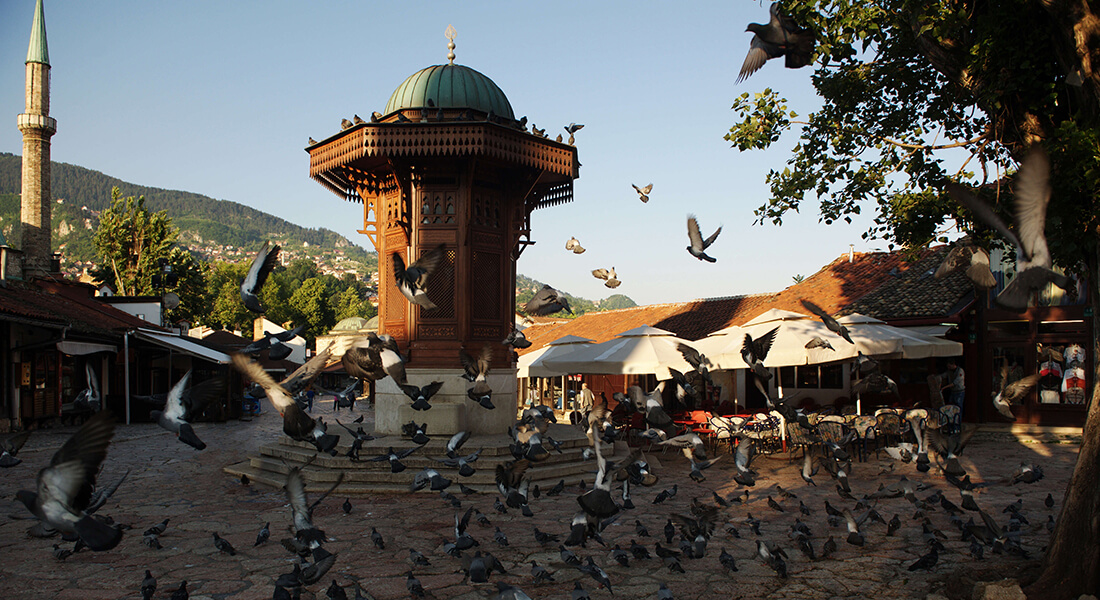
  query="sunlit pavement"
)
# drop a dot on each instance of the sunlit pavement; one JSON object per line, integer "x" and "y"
{"x": 171, "y": 480}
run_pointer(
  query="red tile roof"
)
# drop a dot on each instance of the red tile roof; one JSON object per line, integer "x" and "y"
{"x": 836, "y": 288}
{"x": 65, "y": 303}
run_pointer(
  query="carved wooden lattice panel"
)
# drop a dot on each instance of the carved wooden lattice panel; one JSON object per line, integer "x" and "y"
{"x": 486, "y": 285}
{"x": 441, "y": 288}
{"x": 486, "y": 210}
{"x": 395, "y": 304}
{"x": 437, "y": 208}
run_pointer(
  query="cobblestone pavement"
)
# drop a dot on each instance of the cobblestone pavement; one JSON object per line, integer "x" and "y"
{"x": 170, "y": 480}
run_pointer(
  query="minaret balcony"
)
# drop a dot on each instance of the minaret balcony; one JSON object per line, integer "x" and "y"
{"x": 37, "y": 122}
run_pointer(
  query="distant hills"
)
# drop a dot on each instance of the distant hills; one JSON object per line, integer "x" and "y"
{"x": 208, "y": 226}
{"x": 214, "y": 229}
{"x": 527, "y": 287}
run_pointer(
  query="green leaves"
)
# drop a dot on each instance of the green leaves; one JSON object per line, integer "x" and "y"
{"x": 765, "y": 118}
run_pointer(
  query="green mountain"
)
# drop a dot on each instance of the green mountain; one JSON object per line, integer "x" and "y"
{"x": 216, "y": 229}
{"x": 526, "y": 288}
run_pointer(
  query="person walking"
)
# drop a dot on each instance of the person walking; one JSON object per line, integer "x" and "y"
{"x": 586, "y": 400}
{"x": 955, "y": 391}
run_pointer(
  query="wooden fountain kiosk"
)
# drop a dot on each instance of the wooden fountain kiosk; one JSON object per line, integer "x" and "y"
{"x": 447, "y": 162}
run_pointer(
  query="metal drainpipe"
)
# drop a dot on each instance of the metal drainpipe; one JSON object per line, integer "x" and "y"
{"x": 126, "y": 372}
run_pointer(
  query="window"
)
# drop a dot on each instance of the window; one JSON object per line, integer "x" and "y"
{"x": 807, "y": 376}
{"x": 832, "y": 377}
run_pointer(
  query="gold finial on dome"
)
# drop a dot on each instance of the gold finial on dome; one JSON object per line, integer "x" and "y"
{"x": 450, "y": 35}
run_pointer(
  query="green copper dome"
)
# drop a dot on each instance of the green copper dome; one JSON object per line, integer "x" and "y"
{"x": 450, "y": 86}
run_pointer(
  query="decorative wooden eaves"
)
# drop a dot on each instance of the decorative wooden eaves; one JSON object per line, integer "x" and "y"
{"x": 369, "y": 144}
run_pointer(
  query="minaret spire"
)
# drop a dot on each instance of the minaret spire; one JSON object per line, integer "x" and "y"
{"x": 37, "y": 127}
{"x": 38, "y": 52}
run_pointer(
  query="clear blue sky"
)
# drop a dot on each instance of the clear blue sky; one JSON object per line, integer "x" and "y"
{"x": 220, "y": 98}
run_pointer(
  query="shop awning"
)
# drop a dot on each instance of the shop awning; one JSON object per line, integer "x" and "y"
{"x": 74, "y": 348}
{"x": 181, "y": 344}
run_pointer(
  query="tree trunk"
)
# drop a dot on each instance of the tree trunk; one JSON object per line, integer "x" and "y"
{"x": 1072, "y": 563}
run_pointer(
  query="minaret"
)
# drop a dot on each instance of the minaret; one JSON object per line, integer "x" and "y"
{"x": 37, "y": 127}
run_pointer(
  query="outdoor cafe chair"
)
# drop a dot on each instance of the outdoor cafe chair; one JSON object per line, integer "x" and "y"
{"x": 950, "y": 417}
{"x": 888, "y": 428}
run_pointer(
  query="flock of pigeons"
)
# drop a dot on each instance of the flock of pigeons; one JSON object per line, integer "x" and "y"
{"x": 67, "y": 497}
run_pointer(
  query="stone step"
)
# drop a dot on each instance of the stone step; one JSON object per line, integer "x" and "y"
{"x": 273, "y": 463}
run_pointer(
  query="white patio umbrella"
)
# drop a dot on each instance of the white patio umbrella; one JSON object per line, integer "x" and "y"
{"x": 913, "y": 343}
{"x": 723, "y": 347}
{"x": 641, "y": 350}
{"x": 532, "y": 364}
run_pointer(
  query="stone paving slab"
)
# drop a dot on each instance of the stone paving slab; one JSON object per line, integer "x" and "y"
{"x": 169, "y": 479}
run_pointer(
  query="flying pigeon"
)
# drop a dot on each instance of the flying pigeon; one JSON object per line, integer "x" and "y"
{"x": 296, "y": 423}
{"x": 643, "y": 192}
{"x": 183, "y": 405}
{"x": 516, "y": 339}
{"x": 574, "y": 245}
{"x": 830, "y": 323}
{"x": 302, "y": 511}
{"x": 65, "y": 486}
{"x": 780, "y": 37}
{"x": 1012, "y": 393}
{"x": 411, "y": 281}
{"x": 421, "y": 395}
{"x": 1033, "y": 262}
{"x": 10, "y": 446}
{"x": 547, "y": 301}
{"x": 611, "y": 279}
{"x": 698, "y": 244}
{"x": 754, "y": 351}
{"x": 967, "y": 255}
{"x": 257, "y": 274}
{"x": 480, "y": 392}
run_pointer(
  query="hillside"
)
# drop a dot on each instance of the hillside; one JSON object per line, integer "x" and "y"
{"x": 527, "y": 287}
{"x": 215, "y": 229}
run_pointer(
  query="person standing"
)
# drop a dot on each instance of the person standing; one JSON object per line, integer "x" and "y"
{"x": 586, "y": 400}
{"x": 955, "y": 391}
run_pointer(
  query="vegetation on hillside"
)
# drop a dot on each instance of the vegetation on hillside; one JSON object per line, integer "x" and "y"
{"x": 526, "y": 288}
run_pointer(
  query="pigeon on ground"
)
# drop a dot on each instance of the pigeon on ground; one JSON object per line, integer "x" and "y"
{"x": 509, "y": 592}
{"x": 1033, "y": 264}
{"x": 698, "y": 245}
{"x": 574, "y": 245}
{"x": 411, "y": 281}
{"x": 296, "y": 422}
{"x": 263, "y": 535}
{"x": 1027, "y": 474}
{"x": 772, "y": 558}
{"x": 334, "y": 591}
{"x": 591, "y": 569}
{"x": 414, "y": 586}
{"x": 157, "y": 529}
{"x": 64, "y": 490}
{"x": 148, "y": 586}
{"x": 182, "y": 405}
{"x": 781, "y": 36}
{"x": 223, "y": 544}
{"x": 927, "y": 561}
{"x": 261, "y": 267}
{"x": 181, "y": 592}
{"x": 643, "y": 192}
{"x": 547, "y": 301}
